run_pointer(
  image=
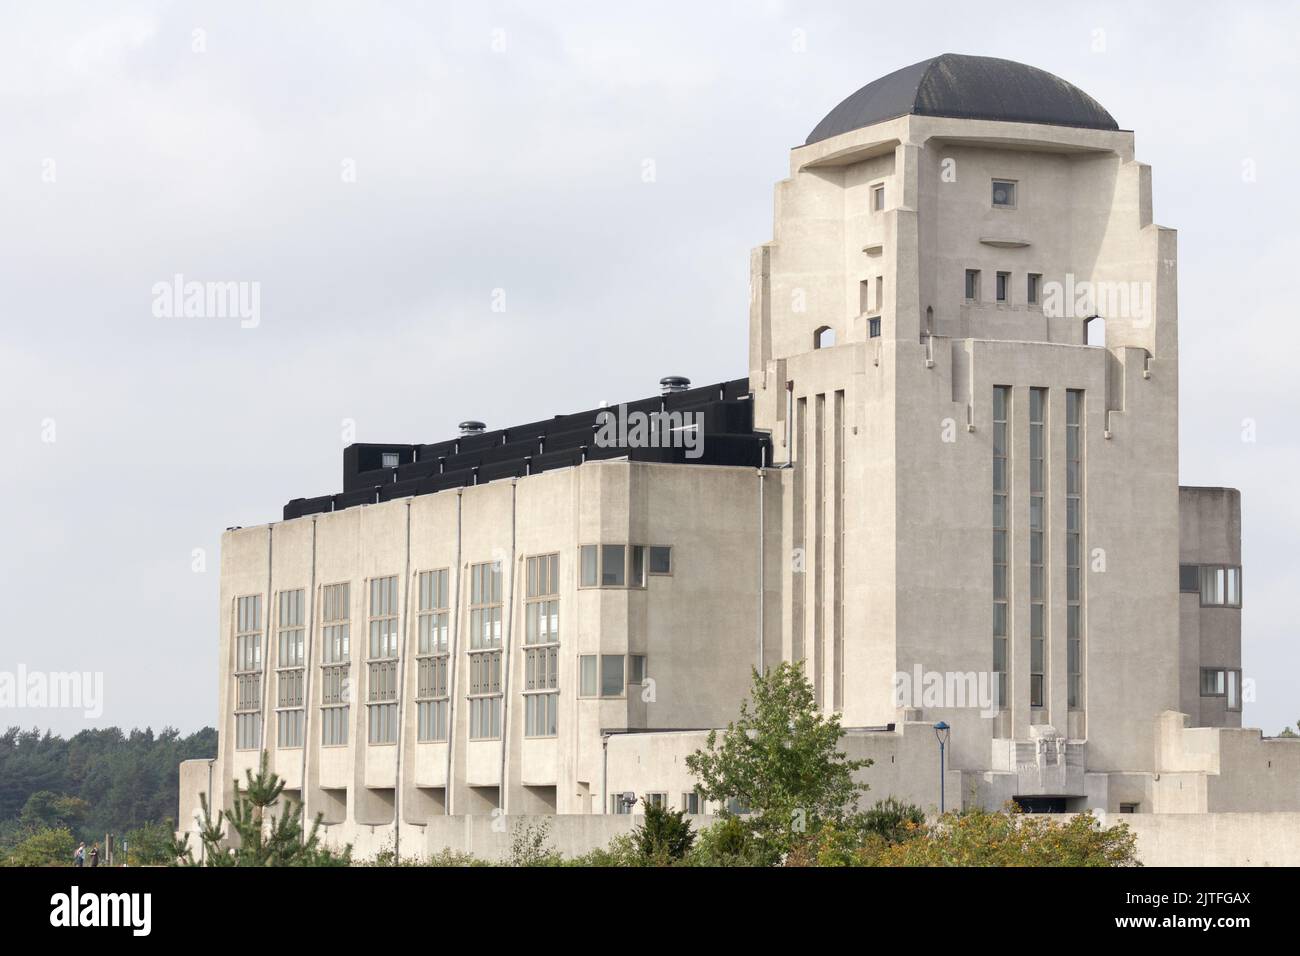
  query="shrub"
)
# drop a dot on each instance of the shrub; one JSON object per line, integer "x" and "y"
{"x": 664, "y": 837}
{"x": 46, "y": 847}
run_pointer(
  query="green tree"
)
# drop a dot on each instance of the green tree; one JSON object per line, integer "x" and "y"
{"x": 46, "y": 809}
{"x": 151, "y": 845}
{"x": 781, "y": 761}
{"x": 664, "y": 837}
{"x": 47, "y": 847}
{"x": 256, "y": 836}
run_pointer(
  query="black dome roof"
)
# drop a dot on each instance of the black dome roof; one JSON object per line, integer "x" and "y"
{"x": 967, "y": 87}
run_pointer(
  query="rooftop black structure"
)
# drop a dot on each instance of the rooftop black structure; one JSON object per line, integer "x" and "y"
{"x": 967, "y": 87}
{"x": 476, "y": 457}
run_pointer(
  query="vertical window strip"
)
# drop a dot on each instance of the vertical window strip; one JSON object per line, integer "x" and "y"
{"x": 1001, "y": 511}
{"x": 336, "y": 652}
{"x": 1074, "y": 546}
{"x": 485, "y": 610}
{"x": 819, "y": 547}
{"x": 432, "y": 660}
{"x": 797, "y": 577}
{"x": 837, "y": 650}
{"x": 542, "y": 645}
{"x": 248, "y": 676}
{"x": 290, "y": 669}
{"x": 1037, "y": 535}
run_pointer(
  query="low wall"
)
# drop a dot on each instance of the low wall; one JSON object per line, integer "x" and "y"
{"x": 1163, "y": 839}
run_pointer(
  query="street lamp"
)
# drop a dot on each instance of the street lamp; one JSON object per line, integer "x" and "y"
{"x": 941, "y": 731}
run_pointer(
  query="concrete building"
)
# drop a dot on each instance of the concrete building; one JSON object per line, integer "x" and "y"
{"x": 949, "y": 485}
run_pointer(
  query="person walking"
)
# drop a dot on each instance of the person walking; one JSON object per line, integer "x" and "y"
{"x": 94, "y": 855}
{"x": 79, "y": 857}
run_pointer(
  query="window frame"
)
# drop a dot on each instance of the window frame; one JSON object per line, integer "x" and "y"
{"x": 626, "y": 570}
{"x": 1015, "y": 193}
{"x": 971, "y": 286}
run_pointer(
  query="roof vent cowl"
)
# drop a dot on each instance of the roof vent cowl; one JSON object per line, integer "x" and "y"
{"x": 472, "y": 428}
{"x": 674, "y": 383}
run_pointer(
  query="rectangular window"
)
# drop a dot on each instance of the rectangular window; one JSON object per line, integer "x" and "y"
{"x": 381, "y": 666}
{"x": 248, "y": 673}
{"x": 636, "y": 673}
{"x": 878, "y": 198}
{"x": 542, "y": 645}
{"x": 290, "y": 669}
{"x": 612, "y": 565}
{"x": 611, "y": 675}
{"x": 1004, "y": 194}
{"x": 390, "y": 459}
{"x": 1220, "y": 586}
{"x": 661, "y": 559}
{"x": 656, "y": 800}
{"x": 1001, "y": 511}
{"x": 432, "y": 664}
{"x": 691, "y": 802}
{"x": 873, "y": 327}
{"x": 1234, "y": 690}
{"x": 864, "y": 296}
{"x": 1074, "y": 547}
{"x": 880, "y": 293}
{"x": 336, "y": 639}
{"x": 612, "y": 570}
{"x": 636, "y": 575}
{"x": 1003, "y": 286}
{"x": 1189, "y": 578}
{"x": 588, "y": 558}
{"x": 1214, "y": 683}
{"x": 587, "y": 686}
{"x": 972, "y": 285}
{"x": 1037, "y": 534}
{"x": 485, "y": 655}
{"x": 1032, "y": 287}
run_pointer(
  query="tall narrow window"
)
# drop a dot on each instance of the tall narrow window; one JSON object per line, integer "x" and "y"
{"x": 798, "y": 586}
{"x": 542, "y": 646}
{"x": 248, "y": 672}
{"x": 972, "y": 285}
{"x": 485, "y": 651}
{"x": 1074, "y": 546}
{"x": 431, "y": 661}
{"x": 1001, "y": 511}
{"x": 1032, "y": 284}
{"x": 335, "y": 655}
{"x": 837, "y": 609}
{"x": 289, "y": 670}
{"x": 1003, "y": 286}
{"x": 819, "y": 549}
{"x": 1037, "y": 534}
{"x": 878, "y": 198}
{"x": 381, "y": 666}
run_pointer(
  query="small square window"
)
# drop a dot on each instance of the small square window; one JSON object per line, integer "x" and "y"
{"x": 1004, "y": 283}
{"x": 661, "y": 560}
{"x": 391, "y": 459}
{"x": 878, "y": 198}
{"x": 1004, "y": 194}
{"x": 972, "y": 285}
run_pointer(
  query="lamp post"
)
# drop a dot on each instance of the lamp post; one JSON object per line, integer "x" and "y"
{"x": 941, "y": 731}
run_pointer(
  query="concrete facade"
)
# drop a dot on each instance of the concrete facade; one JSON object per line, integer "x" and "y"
{"x": 896, "y": 310}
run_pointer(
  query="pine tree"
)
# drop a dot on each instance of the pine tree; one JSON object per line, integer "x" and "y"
{"x": 247, "y": 834}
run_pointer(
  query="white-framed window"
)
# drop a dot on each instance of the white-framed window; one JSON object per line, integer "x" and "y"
{"x": 382, "y": 662}
{"x": 691, "y": 802}
{"x": 656, "y": 800}
{"x": 432, "y": 662}
{"x": 290, "y": 668}
{"x": 1001, "y": 510}
{"x": 541, "y": 645}
{"x": 1004, "y": 194}
{"x": 336, "y": 653}
{"x": 485, "y": 654}
{"x": 248, "y": 672}
{"x": 878, "y": 198}
{"x": 1220, "y": 586}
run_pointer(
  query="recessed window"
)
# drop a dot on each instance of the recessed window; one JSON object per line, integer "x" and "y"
{"x": 1189, "y": 578}
{"x": 1003, "y": 285}
{"x": 391, "y": 459}
{"x": 880, "y": 292}
{"x": 824, "y": 337}
{"x": 1128, "y": 808}
{"x": 661, "y": 560}
{"x": 1220, "y": 586}
{"x": 611, "y": 565}
{"x": 587, "y": 675}
{"x": 873, "y": 327}
{"x": 691, "y": 802}
{"x": 1032, "y": 287}
{"x": 1004, "y": 194}
{"x": 1214, "y": 683}
{"x": 611, "y": 675}
{"x": 636, "y": 669}
{"x": 878, "y": 198}
{"x": 972, "y": 285}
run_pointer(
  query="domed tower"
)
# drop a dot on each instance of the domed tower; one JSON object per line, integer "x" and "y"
{"x": 982, "y": 486}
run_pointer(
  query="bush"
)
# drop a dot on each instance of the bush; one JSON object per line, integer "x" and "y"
{"x": 664, "y": 837}
{"x": 46, "y": 847}
{"x": 730, "y": 842}
{"x": 892, "y": 820}
{"x": 530, "y": 845}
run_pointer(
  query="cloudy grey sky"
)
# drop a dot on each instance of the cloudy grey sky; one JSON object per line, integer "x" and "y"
{"x": 133, "y": 148}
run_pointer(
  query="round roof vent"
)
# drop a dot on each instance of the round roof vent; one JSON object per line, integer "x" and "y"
{"x": 674, "y": 383}
{"x": 472, "y": 428}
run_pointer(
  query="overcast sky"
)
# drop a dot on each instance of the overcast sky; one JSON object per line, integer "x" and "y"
{"x": 380, "y": 169}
